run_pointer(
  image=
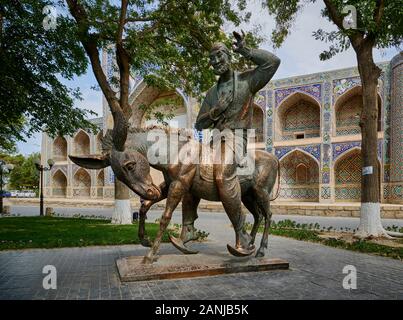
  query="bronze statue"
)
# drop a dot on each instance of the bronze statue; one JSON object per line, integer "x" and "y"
{"x": 227, "y": 106}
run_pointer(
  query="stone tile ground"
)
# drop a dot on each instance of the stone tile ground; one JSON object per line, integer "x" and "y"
{"x": 90, "y": 273}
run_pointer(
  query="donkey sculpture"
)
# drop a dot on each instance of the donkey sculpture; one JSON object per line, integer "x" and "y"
{"x": 183, "y": 181}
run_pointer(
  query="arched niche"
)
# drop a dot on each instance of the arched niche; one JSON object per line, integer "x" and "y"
{"x": 298, "y": 117}
{"x": 347, "y": 176}
{"x": 258, "y": 123}
{"x": 81, "y": 143}
{"x": 169, "y": 104}
{"x": 348, "y": 108}
{"x": 59, "y": 184}
{"x": 147, "y": 100}
{"x": 59, "y": 149}
{"x": 100, "y": 183}
{"x": 299, "y": 177}
{"x": 99, "y": 142}
{"x": 81, "y": 183}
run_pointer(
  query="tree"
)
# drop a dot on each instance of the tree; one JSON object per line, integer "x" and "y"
{"x": 379, "y": 24}
{"x": 24, "y": 174}
{"x": 32, "y": 63}
{"x": 165, "y": 42}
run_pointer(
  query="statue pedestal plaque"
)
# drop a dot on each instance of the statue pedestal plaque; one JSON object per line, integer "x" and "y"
{"x": 188, "y": 266}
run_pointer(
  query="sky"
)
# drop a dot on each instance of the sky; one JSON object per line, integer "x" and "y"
{"x": 299, "y": 55}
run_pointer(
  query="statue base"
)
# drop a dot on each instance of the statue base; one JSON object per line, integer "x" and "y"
{"x": 189, "y": 266}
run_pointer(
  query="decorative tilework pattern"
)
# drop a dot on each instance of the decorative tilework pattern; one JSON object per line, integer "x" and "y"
{"x": 340, "y": 86}
{"x": 260, "y": 99}
{"x": 303, "y": 116}
{"x": 313, "y": 90}
{"x": 299, "y": 177}
{"x": 340, "y": 148}
{"x": 348, "y": 178}
{"x": 81, "y": 183}
{"x": 56, "y": 167}
{"x": 314, "y": 150}
{"x": 326, "y": 148}
{"x": 269, "y": 119}
{"x": 325, "y": 193}
{"x": 396, "y": 174}
{"x": 348, "y": 116}
{"x": 111, "y": 176}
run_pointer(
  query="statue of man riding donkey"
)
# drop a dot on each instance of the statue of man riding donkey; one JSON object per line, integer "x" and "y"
{"x": 228, "y": 108}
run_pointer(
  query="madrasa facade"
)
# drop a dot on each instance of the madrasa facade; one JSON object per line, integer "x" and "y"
{"x": 309, "y": 122}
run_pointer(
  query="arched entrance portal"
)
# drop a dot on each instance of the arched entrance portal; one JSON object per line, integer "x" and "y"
{"x": 299, "y": 177}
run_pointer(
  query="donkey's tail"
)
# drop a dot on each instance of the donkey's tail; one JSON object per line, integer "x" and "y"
{"x": 278, "y": 178}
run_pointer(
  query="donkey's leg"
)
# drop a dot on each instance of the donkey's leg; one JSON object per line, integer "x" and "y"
{"x": 189, "y": 215}
{"x": 175, "y": 193}
{"x": 144, "y": 240}
{"x": 249, "y": 202}
{"x": 264, "y": 184}
{"x": 263, "y": 202}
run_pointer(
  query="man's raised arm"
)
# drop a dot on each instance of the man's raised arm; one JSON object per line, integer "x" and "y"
{"x": 267, "y": 63}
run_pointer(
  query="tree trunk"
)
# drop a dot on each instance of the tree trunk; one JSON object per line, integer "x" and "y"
{"x": 370, "y": 219}
{"x": 122, "y": 213}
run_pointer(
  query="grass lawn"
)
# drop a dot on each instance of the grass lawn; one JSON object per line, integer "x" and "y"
{"x": 287, "y": 228}
{"x": 55, "y": 232}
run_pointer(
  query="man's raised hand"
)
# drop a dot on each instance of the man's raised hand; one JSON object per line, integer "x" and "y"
{"x": 240, "y": 41}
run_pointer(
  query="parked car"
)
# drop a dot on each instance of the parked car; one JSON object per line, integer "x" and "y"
{"x": 5, "y": 194}
{"x": 13, "y": 193}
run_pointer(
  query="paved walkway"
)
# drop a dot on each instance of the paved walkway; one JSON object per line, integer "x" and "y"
{"x": 316, "y": 272}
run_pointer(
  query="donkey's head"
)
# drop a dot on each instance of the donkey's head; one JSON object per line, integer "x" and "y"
{"x": 132, "y": 168}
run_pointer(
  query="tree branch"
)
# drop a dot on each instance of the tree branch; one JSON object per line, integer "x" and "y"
{"x": 334, "y": 15}
{"x": 122, "y": 59}
{"x": 122, "y": 19}
{"x": 90, "y": 46}
{"x": 140, "y": 19}
{"x": 380, "y": 6}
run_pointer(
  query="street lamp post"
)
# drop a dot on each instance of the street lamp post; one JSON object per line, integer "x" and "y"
{"x": 41, "y": 169}
{"x": 4, "y": 168}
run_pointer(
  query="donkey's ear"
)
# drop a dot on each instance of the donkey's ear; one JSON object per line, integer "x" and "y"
{"x": 93, "y": 161}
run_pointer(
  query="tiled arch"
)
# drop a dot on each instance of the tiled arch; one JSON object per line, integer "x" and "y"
{"x": 298, "y": 113}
